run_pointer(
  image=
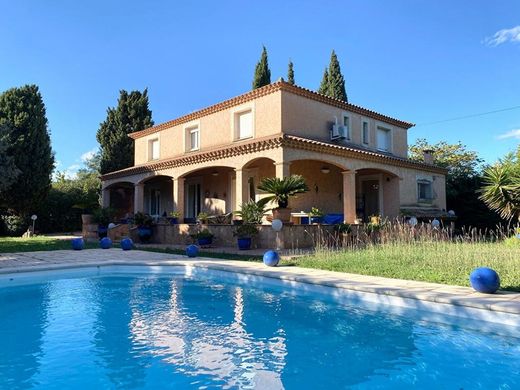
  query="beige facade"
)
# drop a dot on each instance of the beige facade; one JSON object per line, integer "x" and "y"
{"x": 354, "y": 160}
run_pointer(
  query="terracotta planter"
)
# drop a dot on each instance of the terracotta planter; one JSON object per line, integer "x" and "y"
{"x": 87, "y": 219}
{"x": 283, "y": 215}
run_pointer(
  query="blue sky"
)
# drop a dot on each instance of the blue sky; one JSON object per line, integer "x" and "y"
{"x": 420, "y": 61}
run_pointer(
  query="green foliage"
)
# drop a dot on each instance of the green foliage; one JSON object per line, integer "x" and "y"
{"x": 143, "y": 220}
{"x": 23, "y": 128}
{"x": 316, "y": 212}
{"x": 8, "y": 169}
{"x": 290, "y": 73}
{"x": 131, "y": 114}
{"x": 324, "y": 85}
{"x": 175, "y": 214}
{"x": 13, "y": 225}
{"x": 204, "y": 233}
{"x": 336, "y": 82}
{"x": 459, "y": 161}
{"x": 333, "y": 82}
{"x": 246, "y": 230}
{"x": 262, "y": 73}
{"x": 344, "y": 228}
{"x": 463, "y": 181}
{"x": 281, "y": 189}
{"x": 103, "y": 216}
{"x": 251, "y": 212}
{"x": 203, "y": 217}
{"x": 501, "y": 190}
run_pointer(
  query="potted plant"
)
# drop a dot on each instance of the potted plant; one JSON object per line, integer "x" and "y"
{"x": 103, "y": 216}
{"x": 144, "y": 226}
{"x": 251, "y": 212}
{"x": 316, "y": 215}
{"x": 244, "y": 233}
{"x": 280, "y": 190}
{"x": 344, "y": 231}
{"x": 203, "y": 217}
{"x": 174, "y": 217}
{"x": 203, "y": 237}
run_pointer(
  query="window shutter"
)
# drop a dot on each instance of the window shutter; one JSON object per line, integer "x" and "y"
{"x": 245, "y": 125}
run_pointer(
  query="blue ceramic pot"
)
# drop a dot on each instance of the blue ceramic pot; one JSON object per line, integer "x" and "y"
{"x": 102, "y": 231}
{"x": 205, "y": 241}
{"x": 174, "y": 221}
{"x": 127, "y": 244}
{"x": 192, "y": 251}
{"x": 105, "y": 243}
{"x": 144, "y": 233}
{"x": 244, "y": 243}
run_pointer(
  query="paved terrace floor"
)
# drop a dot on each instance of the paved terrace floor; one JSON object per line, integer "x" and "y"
{"x": 502, "y": 303}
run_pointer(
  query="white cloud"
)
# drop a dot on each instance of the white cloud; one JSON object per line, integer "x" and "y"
{"x": 88, "y": 155}
{"x": 503, "y": 36}
{"x": 510, "y": 134}
{"x": 72, "y": 171}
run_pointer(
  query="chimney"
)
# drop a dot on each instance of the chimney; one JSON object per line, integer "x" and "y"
{"x": 428, "y": 156}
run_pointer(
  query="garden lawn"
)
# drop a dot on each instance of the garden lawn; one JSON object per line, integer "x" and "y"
{"x": 437, "y": 262}
{"x": 37, "y": 243}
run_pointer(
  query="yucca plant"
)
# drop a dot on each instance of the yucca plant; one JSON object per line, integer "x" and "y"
{"x": 501, "y": 190}
{"x": 280, "y": 190}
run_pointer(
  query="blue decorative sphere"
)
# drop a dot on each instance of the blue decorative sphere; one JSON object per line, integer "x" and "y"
{"x": 127, "y": 244}
{"x": 105, "y": 243}
{"x": 192, "y": 251}
{"x": 271, "y": 258}
{"x": 78, "y": 244}
{"x": 485, "y": 280}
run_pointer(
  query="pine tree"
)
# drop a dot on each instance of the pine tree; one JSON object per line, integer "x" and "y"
{"x": 131, "y": 114}
{"x": 324, "y": 85}
{"x": 23, "y": 126}
{"x": 290, "y": 73}
{"x": 262, "y": 72}
{"x": 335, "y": 79}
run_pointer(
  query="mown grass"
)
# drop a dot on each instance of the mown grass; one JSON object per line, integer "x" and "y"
{"x": 37, "y": 243}
{"x": 436, "y": 261}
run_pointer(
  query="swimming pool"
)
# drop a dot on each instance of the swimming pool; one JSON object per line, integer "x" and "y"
{"x": 142, "y": 327}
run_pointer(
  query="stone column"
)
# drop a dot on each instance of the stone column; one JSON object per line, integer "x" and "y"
{"x": 282, "y": 169}
{"x": 105, "y": 197}
{"x": 349, "y": 196}
{"x": 139, "y": 198}
{"x": 178, "y": 196}
{"x": 241, "y": 191}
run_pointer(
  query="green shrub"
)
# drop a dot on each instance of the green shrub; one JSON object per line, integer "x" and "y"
{"x": 13, "y": 225}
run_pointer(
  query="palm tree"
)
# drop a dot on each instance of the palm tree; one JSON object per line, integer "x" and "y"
{"x": 281, "y": 189}
{"x": 501, "y": 190}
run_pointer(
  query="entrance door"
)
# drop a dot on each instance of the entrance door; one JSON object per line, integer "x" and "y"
{"x": 370, "y": 190}
{"x": 155, "y": 202}
{"x": 192, "y": 199}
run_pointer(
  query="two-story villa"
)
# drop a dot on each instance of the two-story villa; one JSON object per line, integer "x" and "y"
{"x": 354, "y": 160}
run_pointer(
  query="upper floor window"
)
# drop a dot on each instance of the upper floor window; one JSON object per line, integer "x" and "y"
{"x": 346, "y": 125}
{"x": 192, "y": 138}
{"x": 153, "y": 149}
{"x": 384, "y": 139}
{"x": 244, "y": 124}
{"x": 364, "y": 132}
{"x": 424, "y": 190}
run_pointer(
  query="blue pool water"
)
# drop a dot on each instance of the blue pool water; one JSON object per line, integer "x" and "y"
{"x": 153, "y": 330}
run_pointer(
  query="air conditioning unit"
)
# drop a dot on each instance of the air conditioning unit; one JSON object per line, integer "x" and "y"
{"x": 337, "y": 132}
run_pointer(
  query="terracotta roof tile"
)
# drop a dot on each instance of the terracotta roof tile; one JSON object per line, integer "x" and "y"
{"x": 271, "y": 142}
{"x": 268, "y": 89}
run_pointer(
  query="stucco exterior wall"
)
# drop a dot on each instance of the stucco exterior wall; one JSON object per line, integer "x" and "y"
{"x": 215, "y": 129}
{"x": 308, "y": 118}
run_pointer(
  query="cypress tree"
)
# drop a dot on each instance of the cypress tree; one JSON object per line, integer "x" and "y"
{"x": 8, "y": 169}
{"x": 23, "y": 126}
{"x": 290, "y": 73}
{"x": 336, "y": 82}
{"x": 324, "y": 85}
{"x": 131, "y": 114}
{"x": 262, "y": 73}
